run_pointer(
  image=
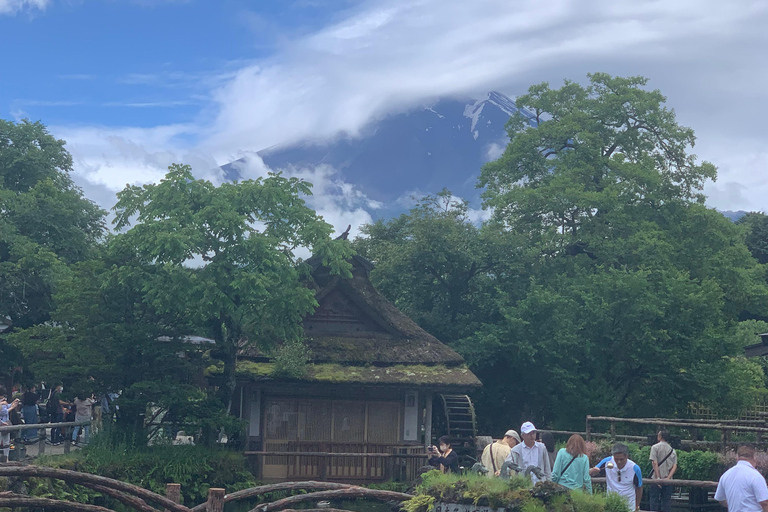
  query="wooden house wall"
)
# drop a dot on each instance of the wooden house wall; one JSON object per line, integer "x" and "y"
{"x": 296, "y": 419}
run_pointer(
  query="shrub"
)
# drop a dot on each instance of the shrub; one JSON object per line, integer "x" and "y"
{"x": 196, "y": 468}
{"x": 291, "y": 359}
{"x": 515, "y": 495}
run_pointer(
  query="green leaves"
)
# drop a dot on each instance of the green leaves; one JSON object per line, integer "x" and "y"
{"x": 606, "y": 286}
{"x": 45, "y": 222}
{"x": 222, "y": 258}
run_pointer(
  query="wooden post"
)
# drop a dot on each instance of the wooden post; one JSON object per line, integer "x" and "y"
{"x": 67, "y": 444}
{"x": 41, "y": 446}
{"x": 588, "y": 429}
{"x": 215, "y": 500}
{"x": 173, "y": 492}
{"x": 613, "y": 431}
{"x": 726, "y": 437}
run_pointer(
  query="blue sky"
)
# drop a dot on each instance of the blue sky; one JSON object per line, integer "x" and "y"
{"x": 139, "y": 63}
{"x": 135, "y": 85}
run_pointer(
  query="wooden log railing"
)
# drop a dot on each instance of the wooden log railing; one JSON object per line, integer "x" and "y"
{"x": 255, "y": 492}
{"x": 726, "y": 427}
{"x": 43, "y": 426}
{"x": 339, "y": 494}
{"x": 90, "y": 481}
{"x": 137, "y": 497}
{"x": 701, "y": 484}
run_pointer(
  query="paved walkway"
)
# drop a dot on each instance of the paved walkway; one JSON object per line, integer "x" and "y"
{"x": 33, "y": 449}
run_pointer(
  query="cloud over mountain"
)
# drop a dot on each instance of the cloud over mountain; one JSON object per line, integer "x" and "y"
{"x": 386, "y": 56}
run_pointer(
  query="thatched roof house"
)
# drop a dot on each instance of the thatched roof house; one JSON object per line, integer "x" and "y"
{"x": 369, "y": 386}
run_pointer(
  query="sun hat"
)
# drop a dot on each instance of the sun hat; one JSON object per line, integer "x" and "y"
{"x": 527, "y": 427}
{"x": 513, "y": 434}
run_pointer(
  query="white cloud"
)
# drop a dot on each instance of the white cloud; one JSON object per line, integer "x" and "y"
{"x": 388, "y": 54}
{"x": 341, "y": 204}
{"x": 11, "y": 7}
{"x": 393, "y": 54}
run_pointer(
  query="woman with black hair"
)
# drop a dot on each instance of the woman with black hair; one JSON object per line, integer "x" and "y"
{"x": 444, "y": 459}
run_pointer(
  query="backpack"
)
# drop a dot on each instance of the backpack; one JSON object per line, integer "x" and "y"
{"x": 51, "y": 406}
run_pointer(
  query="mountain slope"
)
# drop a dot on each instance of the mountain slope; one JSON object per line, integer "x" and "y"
{"x": 421, "y": 151}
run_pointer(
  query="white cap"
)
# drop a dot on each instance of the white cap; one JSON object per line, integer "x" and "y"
{"x": 527, "y": 427}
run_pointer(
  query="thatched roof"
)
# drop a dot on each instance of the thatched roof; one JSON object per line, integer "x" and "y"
{"x": 440, "y": 376}
{"x": 355, "y": 326}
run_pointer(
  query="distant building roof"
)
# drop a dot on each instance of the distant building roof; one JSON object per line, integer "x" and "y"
{"x": 758, "y": 349}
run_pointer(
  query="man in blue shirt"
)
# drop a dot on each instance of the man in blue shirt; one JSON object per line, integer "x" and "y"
{"x": 622, "y": 475}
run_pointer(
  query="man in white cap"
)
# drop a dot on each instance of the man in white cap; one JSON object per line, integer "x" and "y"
{"x": 496, "y": 453}
{"x": 531, "y": 457}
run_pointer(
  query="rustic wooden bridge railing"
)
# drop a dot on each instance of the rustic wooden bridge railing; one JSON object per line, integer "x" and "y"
{"x": 43, "y": 426}
{"x": 139, "y": 498}
{"x": 726, "y": 427}
{"x": 144, "y": 500}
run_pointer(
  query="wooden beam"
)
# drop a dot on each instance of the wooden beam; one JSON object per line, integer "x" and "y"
{"x": 9, "y": 499}
{"x": 89, "y": 480}
{"x": 331, "y": 454}
{"x": 672, "y": 423}
{"x": 341, "y": 494}
{"x": 663, "y": 481}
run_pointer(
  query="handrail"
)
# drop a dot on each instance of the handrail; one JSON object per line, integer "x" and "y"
{"x": 38, "y": 426}
{"x": 675, "y": 423}
{"x": 666, "y": 481}
{"x": 89, "y": 480}
{"x": 342, "y": 454}
{"x": 253, "y": 492}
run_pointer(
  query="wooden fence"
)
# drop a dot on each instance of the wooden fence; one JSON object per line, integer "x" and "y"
{"x": 67, "y": 440}
{"x": 725, "y": 427}
{"x": 139, "y": 498}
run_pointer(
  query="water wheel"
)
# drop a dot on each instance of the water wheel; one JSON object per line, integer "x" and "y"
{"x": 454, "y": 416}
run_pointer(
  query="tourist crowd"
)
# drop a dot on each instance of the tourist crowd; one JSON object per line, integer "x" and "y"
{"x": 31, "y": 407}
{"x": 533, "y": 455}
{"x": 741, "y": 489}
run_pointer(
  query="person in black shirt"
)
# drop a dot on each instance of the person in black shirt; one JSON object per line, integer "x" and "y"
{"x": 446, "y": 459}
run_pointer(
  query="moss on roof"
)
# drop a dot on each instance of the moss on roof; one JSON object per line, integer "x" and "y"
{"x": 358, "y": 336}
{"x": 415, "y": 375}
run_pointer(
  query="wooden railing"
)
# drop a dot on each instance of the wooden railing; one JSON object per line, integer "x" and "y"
{"x": 67, "y": 440}
{"x": 726, "y": 427}
{"x": 347, "y": 462}
{"x": 142, "y": 499}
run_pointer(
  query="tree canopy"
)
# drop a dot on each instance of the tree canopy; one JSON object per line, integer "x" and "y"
{"x": 223, "y": 257}
{"x": 610, "y": 287}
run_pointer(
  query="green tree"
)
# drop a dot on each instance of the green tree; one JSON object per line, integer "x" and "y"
{"x": 46, "y": 224}
{"x": 634, "y": 287}
{"x": 434, "y": 264}
{"x": 756, "y": 224}
{"x": 222, "y": 258}
{"x": 103, "y": 337}
{"x": 45, "y": 221}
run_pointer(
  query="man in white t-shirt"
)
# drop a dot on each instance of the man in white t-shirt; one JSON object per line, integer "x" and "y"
{"x": 622, "y": 475}
{"x": 742, "y": 488}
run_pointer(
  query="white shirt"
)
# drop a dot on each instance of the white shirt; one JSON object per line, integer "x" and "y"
{"x": 623, "y": 481}
{"x": 743, "y": 487}
{"x": 536, "y": 455}
{"x": 530, "y": 455}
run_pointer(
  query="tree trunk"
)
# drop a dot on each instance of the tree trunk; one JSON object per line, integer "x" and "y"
{"x": 229, "y": 379}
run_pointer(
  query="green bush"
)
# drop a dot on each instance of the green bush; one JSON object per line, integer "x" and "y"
{"x": 196, "y": 468}
{"x": 515, "y": 495}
